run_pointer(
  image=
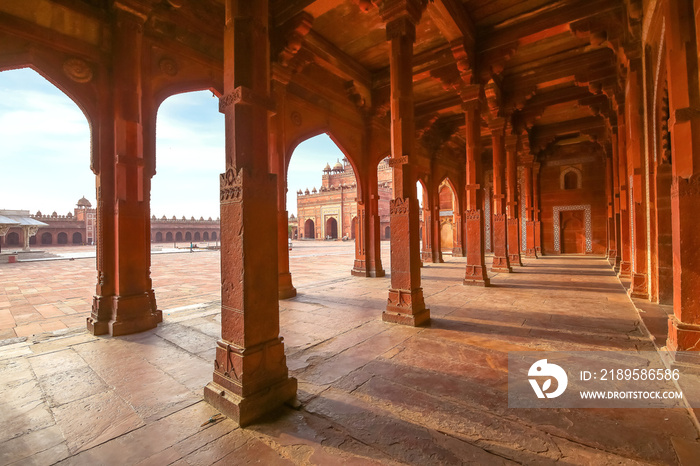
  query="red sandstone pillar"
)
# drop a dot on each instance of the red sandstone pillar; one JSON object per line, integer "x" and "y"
{"x": 434, "y": 200}
{"x": 530, "y": 250}
{"x": 475, "y": 273}
{"x": 625, "y": 263}
{"x": 501, "y": 262}
{"x": 636, "y": 166}
{"x": 133, "y": 306}
{"x": 359, "y": 268}
{"x": 373, "y": 243}
{"x": 426, "y": 234}
{"x": 537, "y": 223}
{"x": 684, "y": 124}
{"x": 614, "y": 205}
{"x": 278, "y": 159}
{"x": 405, "y": 304}
{"x": 615, "y": 260}
{"x": 457, "y": 249}
{"x": 250, "y": 371}
{"x": 512, "y": 201}
{"x": 609, "y": 196}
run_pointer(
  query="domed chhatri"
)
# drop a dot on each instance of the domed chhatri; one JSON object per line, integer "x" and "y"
{"x": 338, "y": 166}
{"x": 83, "y": 202}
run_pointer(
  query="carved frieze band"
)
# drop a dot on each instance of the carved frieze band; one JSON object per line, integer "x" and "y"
{"x": 400, "y": 27}
{"x": 244, "y": 95}
{"x": 397, "y": 161}
{"x": 231, "y": 186}
{"x": 472, "y": 214}
{"x": 399, "y": 206}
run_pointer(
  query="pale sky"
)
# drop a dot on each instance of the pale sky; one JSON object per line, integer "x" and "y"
{"x": 45, "y": 152}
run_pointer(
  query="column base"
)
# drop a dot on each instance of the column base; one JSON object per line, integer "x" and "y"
{"x": 475, "y": 275}
{"x": 426, "y": 256}
{"x": 457, "y": 252}
{"x": 531, "y": 253}
{"x": 129, "y": 314}
{"x": 639, "y": 286}
{"x": 612, "y": 254}
{"x": 682, "y": 336}
{"x": 625, "y": 270}
{"x": 406, "y": 307}
{"x": 285, "y": 287}
{"x": 376, "y": 273}
{"x": 245, "y": 410}
{"x": 514, "y": 259}
{"x": 501, "y": 264}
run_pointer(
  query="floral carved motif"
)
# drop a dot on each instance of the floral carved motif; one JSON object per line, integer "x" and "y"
{"x": 78, "y": 70}
{"x": 398, "y": 206}
{"x": 231, "y": 186}
{"x": 168, "y": 66}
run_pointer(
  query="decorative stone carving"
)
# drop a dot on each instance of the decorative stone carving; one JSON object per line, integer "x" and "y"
{"x": 587, "y": 221}
{"x": 296, "y": 118}
{"x": 685, "y": 187}
{"x": 244, "y": 95}
{"x": 394, "y": 162}
{"x": 78, "y": 70}
{"x": 231, "y": 186}
{"x": 398, "y": 206}
{"x": 168, "y": 66}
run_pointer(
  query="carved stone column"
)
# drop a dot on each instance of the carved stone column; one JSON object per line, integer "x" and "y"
{"x": 475, "y": 273}
{"x": 530, "y": 250}
{"x": 636, "y": 166}
{"x": 374, "y": 245}
{"x": 133, "y": 306}
{"x": 512, "y": 201}
{"x": 405, "y": 303}
{"x": 501, "y": 261}
{"x": 615, "y": 260}
{"x": 625, "y": 262}
{"x": 537, "y": 223}
{"x": 457, "y": 250}
{"x": 359, "y": 268}
{"x": 426, "y": 236}
{"x": 279, "y": 167}
{"x": 250, "y": 371}
{"x": 684, "y": 125}
{"x": 434, "y": 203}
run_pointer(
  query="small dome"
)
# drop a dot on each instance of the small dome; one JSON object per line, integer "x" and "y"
{"x": 307, "y": 191}
{"x": 338, "y": 166}
{"x": 328, "y": 168}
{"x": 82, "y": 202}
{"x": 69, "y": 215}
{"x": 153, "y": 217}
{"x": 314, "y": 190}
{"x": 163, "y": 217}
{"x": 38, "y": 213}
{"x": 54, "y": 214}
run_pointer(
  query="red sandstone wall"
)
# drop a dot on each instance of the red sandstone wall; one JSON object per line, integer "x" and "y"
{"x": 588, "y": 158}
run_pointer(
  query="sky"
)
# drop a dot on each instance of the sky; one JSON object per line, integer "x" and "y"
{"x": 45, "y": 152}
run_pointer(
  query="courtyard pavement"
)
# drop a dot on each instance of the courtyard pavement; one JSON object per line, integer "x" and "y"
{"x": 370, "y": 392}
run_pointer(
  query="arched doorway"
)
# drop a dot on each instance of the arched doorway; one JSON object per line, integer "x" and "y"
{"x": 196, "y": 236}
{"x": 331, "y": 228}
{"x": 205, "y": 236}
{"x": 169, "y": 237}
{"x": 387, "y": 232}
{"x": 188, "y": 236}
{"x": 178, "y": 236}
{"x": 12, "y": 239}
{"x": 309, "y": 229}
{"x": 213, "y": 236}
{"x": 159, "y": 237}
{"x": 573, "y": 234}
{"x": 77, "y": 238}
{"x": 46, "y": 238}
{"x": 446, "y": 203}
{"x": 62, "y": 238}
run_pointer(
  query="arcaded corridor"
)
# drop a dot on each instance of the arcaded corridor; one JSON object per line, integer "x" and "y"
{"x": 370, "y": 392}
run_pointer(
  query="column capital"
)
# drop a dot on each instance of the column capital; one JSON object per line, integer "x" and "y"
{"x": 497, "y": 126}
{"x": 511, "y": 142}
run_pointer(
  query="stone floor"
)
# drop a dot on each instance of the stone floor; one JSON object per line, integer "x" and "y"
{"x": 371, "y": 393}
